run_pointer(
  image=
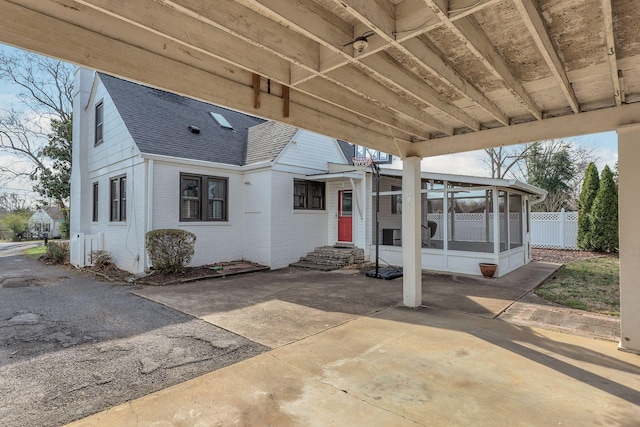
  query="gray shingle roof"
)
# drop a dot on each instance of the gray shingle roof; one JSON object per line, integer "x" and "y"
{"x": 54, "y": 212}
{"x": 348, "y": 149}
{"x": 267, "y": 140}
{"x": 158, "y": 122}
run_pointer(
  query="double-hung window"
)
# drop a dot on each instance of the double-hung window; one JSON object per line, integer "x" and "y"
{"x": 308, "y": 195}
{"x": 118, "y": 193}
{"x": 95, "y": 202}
{"x": 99, "y": 121}
{"x": 203, "y": 198}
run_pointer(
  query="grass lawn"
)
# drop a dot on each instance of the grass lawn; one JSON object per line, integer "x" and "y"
{"x": 35, "y": 252}
{"x": 591, "y": 285}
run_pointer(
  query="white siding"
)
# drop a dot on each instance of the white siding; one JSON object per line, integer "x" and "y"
{"x": 117, "y": 143}
{"x": 294, "y": 232}
{"x": 123, "y": 239}
{"x": 311, "y": 151}
{"x": 116, "y": 156}
{"x": 216, "y": 241}
{"x": 257, "y": 217}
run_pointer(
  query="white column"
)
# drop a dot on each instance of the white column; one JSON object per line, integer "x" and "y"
{"x": 496, "y": 223}
{"x": 411, "y": 233}
{"x": 81, "y": 201}
{"x": 629, "y": 228}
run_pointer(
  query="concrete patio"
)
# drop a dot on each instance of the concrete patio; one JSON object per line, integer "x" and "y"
{"x": 344, "y": 353}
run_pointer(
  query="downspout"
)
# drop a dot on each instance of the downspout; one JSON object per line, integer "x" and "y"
{"x": 149, "y": 225}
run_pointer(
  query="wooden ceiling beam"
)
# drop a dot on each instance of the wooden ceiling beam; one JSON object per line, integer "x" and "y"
{"x": 618, "y": 90}
{"x": 468, "y": 31}
{"x": 557, "y": 127}
{"x": 37, "y": 30}
{"x": 205, "y": 35}
{"x": 460, "y": 8}
{"x": 403, "y": 80}
{"x": 423, "y": 56}
{"x": 429, "y": 58}
{"x": 290, "y": 16}
{"x": 534, "y": 23}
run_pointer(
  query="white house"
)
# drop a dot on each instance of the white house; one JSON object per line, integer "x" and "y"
{"x": 47, "y": 219}
{"x": 257, "y": 190}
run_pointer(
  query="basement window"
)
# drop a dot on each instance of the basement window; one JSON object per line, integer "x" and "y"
{"x": 221, "y": 120}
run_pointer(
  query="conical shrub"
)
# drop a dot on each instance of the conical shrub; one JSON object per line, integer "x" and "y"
{"x": 604, "y": 214}
{"x": 585, "y": 203}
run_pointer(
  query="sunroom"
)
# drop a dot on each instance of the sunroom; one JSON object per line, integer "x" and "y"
{"x": 466, "y": 221}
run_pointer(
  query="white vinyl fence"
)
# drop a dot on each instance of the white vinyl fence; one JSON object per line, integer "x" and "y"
{"x": 81, "y": 247}
{"x": 554, "y": 230}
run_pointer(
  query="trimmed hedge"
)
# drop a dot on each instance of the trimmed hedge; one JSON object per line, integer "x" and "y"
{"x": 170, "y": 250}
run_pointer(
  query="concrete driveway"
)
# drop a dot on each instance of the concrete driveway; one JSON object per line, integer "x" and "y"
{"x": 344, "y": 353}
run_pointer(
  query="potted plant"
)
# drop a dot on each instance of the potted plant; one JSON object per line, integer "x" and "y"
{"x": 488, "y": 269}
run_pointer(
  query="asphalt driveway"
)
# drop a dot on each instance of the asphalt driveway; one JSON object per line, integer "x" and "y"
{"x": 71, "y": 346}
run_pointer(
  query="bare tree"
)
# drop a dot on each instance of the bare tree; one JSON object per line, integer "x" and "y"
{"x": 517, "y": 162}
{"x": 37, "y": 131}
{"x": 504, "y": 161}
{"x": 45, "y": 94}
{"x": 12, "y": 202}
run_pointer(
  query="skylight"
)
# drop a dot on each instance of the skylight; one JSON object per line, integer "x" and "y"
{"x": 221, "y": 120}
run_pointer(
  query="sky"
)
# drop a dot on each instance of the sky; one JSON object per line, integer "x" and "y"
{"x": 604, "y": 145}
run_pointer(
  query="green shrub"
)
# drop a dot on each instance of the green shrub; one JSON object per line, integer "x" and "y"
{"x": 170, "y": 250}
{"x": 604, "y": 214}
{"x": 57, "y": 251}
{"x": 16, "y": 223}
{"x": 585, "y": 204}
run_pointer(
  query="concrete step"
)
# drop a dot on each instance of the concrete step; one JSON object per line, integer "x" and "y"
{"x": 310, "y": 266}
{"x": 331, "y": 258}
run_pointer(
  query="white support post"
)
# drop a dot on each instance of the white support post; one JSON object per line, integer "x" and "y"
{"x": 411, "y": 233}
{"x": 629, "y": 232}
{"x": 496, "y": 222}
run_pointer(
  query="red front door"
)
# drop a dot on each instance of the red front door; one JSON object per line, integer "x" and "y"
{"x": 344, "y": 216}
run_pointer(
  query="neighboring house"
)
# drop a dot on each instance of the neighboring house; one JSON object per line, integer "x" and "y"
{"x": 250, "y": 189}
{"x": 47, "y": 219}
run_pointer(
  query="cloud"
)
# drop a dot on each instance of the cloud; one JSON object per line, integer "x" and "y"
{"x": 606, "y": 156}
{"x": 469, "y": 163}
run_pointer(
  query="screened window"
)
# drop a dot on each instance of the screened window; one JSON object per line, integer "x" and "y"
{"x": 308, "y": 195}
{"x": 118, "y": 194}
{"x": 99, "y": 122}
{"x": 203, "y": 198}
{"x": 95, "y": 202}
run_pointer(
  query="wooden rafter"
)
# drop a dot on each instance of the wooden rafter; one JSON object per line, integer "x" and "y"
{"x": 401, "y": 94}
{"x": 336, "y": 58}
{"x": 256, "y": 90}
{"x": 212, "y": 33}
{"x": 616, "y": 74}
{"x": 534, "y": 23}
{"x": 470, "y": 33}
{"x": 158, "y": 70}
{"x": 425, "y": 56}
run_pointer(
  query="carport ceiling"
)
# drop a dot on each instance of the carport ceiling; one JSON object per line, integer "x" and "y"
{"x": 434, "y": 77}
